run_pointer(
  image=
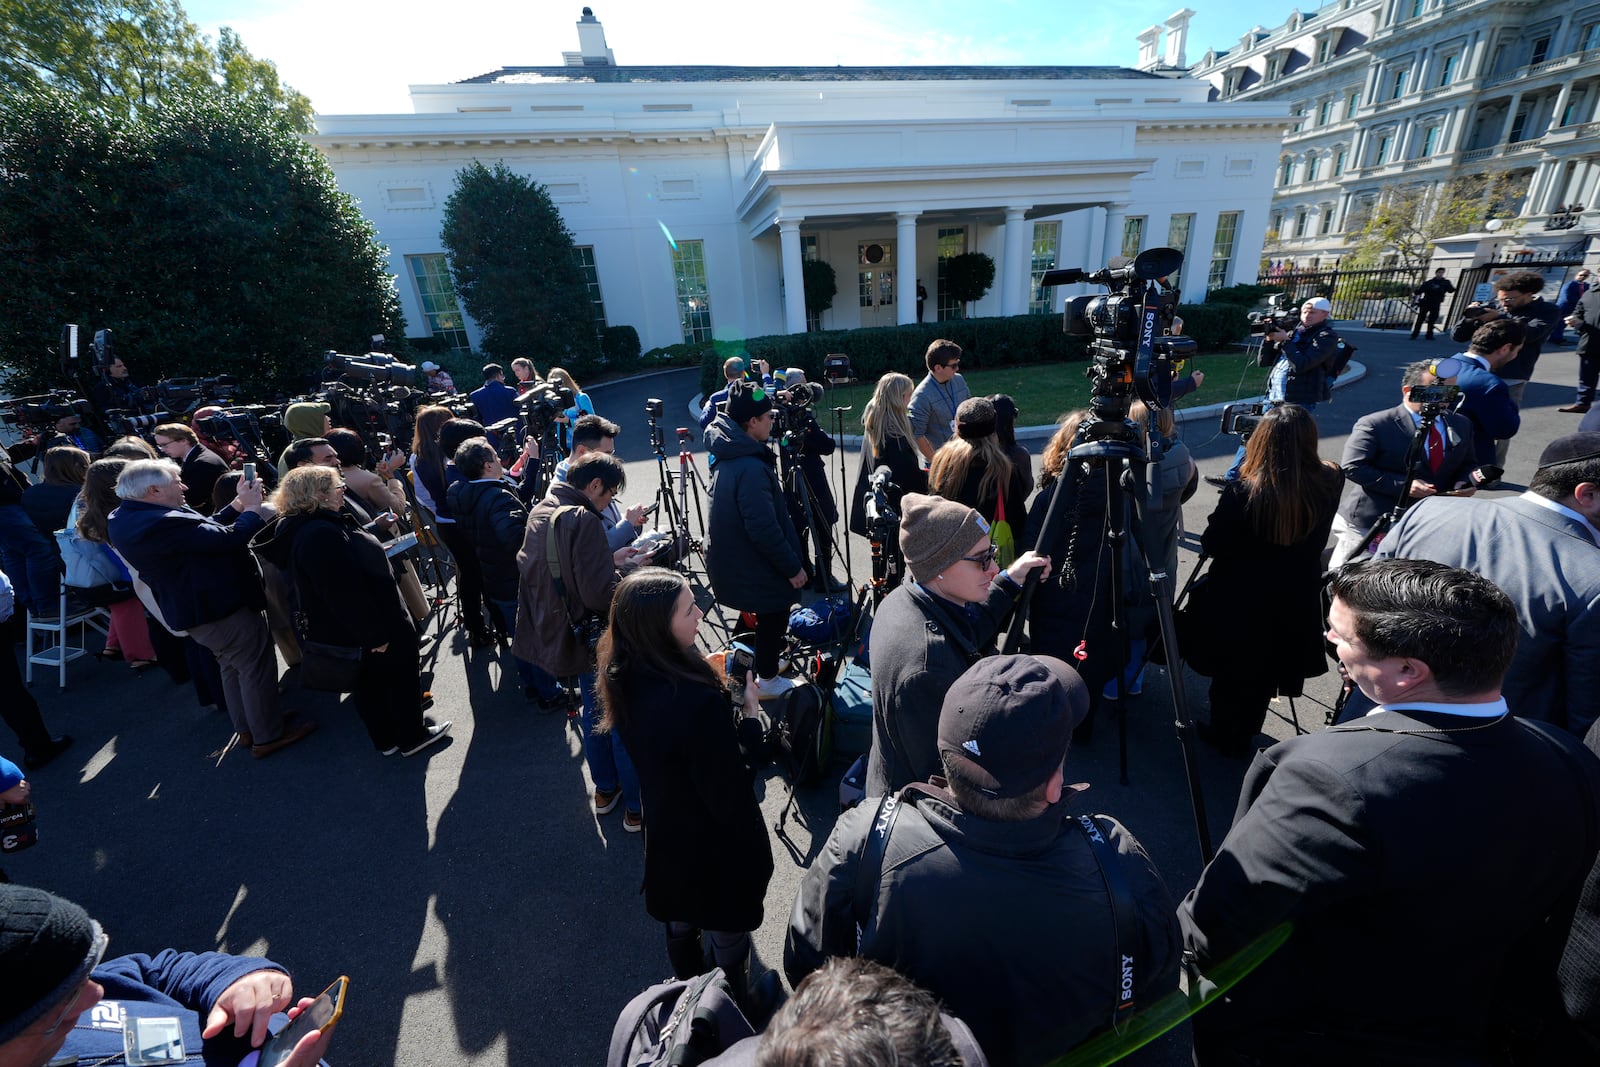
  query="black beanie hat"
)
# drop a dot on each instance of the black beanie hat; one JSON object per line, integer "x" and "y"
{"x": 48, "y": 946}
{"x": 747, "y": 400}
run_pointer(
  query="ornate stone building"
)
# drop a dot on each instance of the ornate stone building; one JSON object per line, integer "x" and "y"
{"x": 1396, "y": 94}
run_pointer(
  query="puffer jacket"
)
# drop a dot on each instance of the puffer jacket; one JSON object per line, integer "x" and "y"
{"x": 752, "y": 549}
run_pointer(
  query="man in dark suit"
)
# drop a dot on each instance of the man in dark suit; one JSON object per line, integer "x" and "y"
{"x": 495, "y": 400}
{"x": 1566, "y": 303}
{"x": 199, "y": 467}
{"x": 1376, "y": 455}
{"x": 1543, "y": 549}
{"x": 1485, "y": 399}
{"x": 206, "y": 583}
{"x": 1585, "y": 322}
{"x": 1430, "y": 297}
{"x": 1425, "y": 909}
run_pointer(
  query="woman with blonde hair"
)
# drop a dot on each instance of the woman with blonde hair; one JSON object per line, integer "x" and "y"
{"x": 889, "y": 442}
{"x": 1260, "y": 626}
{"x": 973, "y": 469}
{"x": 348, "y": 597}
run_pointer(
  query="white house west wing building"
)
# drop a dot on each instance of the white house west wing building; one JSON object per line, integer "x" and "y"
{"x": 695, "y": 193}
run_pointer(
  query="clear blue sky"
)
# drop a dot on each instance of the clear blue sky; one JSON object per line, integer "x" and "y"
{"x": 360, "y": 58}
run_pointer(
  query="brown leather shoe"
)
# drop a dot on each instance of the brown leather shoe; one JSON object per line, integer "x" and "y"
{"x": 289, "y": 737}
{"x": 1576, "y": 409}
{"x": 245, "y": 740}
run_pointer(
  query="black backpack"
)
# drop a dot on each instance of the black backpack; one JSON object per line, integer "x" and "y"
{"x": 800, "y": 737}
{"x": 682, "y": 1023}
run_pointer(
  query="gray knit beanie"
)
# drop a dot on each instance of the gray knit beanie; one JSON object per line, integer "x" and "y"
{"x": 935, "y": 532}
{"x": 48, "y": 946}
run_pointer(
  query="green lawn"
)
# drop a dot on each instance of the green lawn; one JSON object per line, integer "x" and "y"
{"x": 1045, "y": 391}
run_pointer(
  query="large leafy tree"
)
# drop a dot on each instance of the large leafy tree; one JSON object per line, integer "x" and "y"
{"x": 120, "y": 56}
{"x": 1407, "y": 220}
{"x": 515, "y": 268}
{"x": 206, "y": 233}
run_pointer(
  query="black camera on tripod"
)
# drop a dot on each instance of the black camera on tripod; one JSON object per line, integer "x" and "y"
{"x": 543, "y": 405}
{"x": 185, "y": 395}
{"x": 43, "y": 411}
{"x": 1132, "y": 351}
{"x": 374, "y": 368}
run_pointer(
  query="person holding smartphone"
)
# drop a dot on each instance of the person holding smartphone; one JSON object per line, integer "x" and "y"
{"x": 707, "y": 858}
{"x": 217, "y": 1006}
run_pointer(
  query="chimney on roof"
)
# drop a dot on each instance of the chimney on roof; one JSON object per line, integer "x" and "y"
{"x": 1149, "y": 42}
{"x": 1178, "y": 37}
{"x": 592, "y": 50}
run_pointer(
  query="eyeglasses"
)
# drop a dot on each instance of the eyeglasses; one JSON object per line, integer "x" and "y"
{"x": 984, "y": 559}
{"x": 953, "y": 366}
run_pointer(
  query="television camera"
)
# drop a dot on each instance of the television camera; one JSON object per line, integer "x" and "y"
{"x": 1131, "y": 354}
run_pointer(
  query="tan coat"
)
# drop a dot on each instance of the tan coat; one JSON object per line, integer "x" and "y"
{"x": 544, "y": 634}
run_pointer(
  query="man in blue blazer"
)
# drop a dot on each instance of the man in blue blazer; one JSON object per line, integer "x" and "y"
{"x": 1424, "y": 862}
{"x": 1486, "y": 401}
{"x": 205, "y": 582}
{"x": 1543, "y": 549}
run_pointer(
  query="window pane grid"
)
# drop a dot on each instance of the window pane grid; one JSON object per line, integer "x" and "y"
{"x": 694, "y": 300}
{"x": 1046, "y": 246}
{"x": 436, "y": 295}
{"x": 1222, "y": 250}
{"x": 952, "y": 242}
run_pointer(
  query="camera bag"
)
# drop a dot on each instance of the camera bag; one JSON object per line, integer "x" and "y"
{"x": 799, "y": 733}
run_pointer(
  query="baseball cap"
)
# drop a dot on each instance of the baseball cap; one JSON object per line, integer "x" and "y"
{"x": 1007, "y": 722}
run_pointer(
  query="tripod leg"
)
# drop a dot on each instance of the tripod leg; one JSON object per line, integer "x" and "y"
{"x": 1183, "y": 721}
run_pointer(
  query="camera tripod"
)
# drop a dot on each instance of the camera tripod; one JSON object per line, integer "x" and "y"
{"x": 674, "y": 493}
{"x": 1110, "y": 445}
{"x": 797, "y": 489}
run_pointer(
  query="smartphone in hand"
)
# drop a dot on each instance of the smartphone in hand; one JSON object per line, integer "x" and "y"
{"x": 250, "y": 473}
{"x": 321, "y": 1014}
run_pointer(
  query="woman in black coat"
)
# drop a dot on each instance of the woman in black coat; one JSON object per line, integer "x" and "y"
{"x": 887, "y": 441}
{"x": 348, "y": 596}
{"x": 707, "y": 855}
{"x": 1259, "y": 620}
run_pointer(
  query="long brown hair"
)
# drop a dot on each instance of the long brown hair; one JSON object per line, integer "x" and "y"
{"x": 99, "y": 498}
{"x": 1287, "y": 484}
{"x": 948, "y": 471}
{"x": 1055, "y": 453}
{"x": 639, "y": 638}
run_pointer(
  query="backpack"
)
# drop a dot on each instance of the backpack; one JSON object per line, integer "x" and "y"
{"x": 1336, "y": 363}
{"x": 681, "y": 1022}
{"x": 800, "y": 736}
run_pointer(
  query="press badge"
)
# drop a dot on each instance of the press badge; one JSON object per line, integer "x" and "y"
{"x": 152, "y": 1041}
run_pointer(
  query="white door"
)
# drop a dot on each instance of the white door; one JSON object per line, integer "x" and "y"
{"x": 875, "y": 291}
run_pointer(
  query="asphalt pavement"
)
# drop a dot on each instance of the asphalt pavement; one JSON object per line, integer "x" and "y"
{"x": 484, "y": 914}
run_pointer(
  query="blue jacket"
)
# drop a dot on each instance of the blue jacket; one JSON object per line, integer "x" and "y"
{"x": 1486, "y": 402}
{"x": 181, "y": 984}
{"x": 199, "y": 569}
{"x": 495, "y": 401}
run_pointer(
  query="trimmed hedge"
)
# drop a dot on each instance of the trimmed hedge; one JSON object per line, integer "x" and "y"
{"x": 1214, "y": 325}
{"x": 619, "y": 346}
{"x": 992, "y": 342}
{"x": 873, "y": 352}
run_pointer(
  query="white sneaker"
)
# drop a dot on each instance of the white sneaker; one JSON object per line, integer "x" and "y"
{"x": 435, "y": 733}
{"x": 772, "y": 688}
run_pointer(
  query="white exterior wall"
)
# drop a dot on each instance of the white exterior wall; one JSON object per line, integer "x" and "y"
{"x": 843, "y": 157}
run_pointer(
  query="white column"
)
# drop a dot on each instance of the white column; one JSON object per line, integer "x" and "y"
{"x": 1561, "y": 105}
{"x": 1017, "y": 256}
{"x": 1092, "y": 258}
{"x": 794, "y": 286}
{"x": 905, "y": 253}
{"x": 1511, "y": 118}
{"x": 1116, "y": 217}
